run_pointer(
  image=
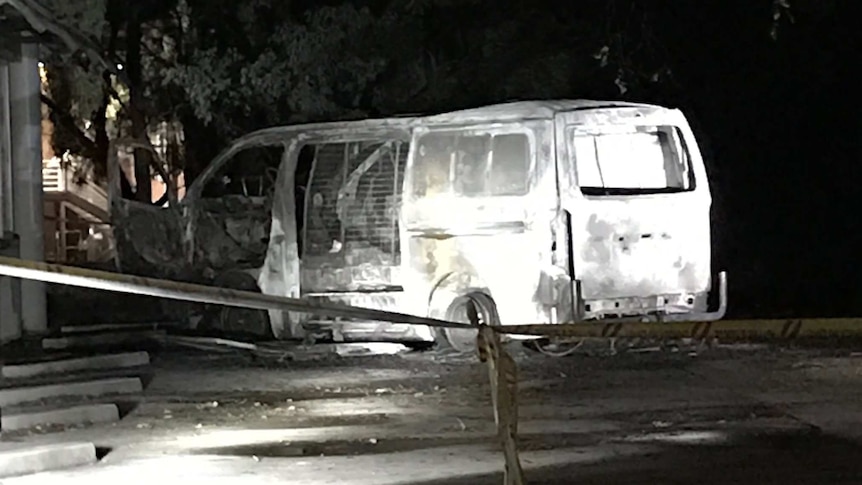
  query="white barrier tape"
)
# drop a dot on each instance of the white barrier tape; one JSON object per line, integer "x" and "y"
{"x": 104, "y": 280}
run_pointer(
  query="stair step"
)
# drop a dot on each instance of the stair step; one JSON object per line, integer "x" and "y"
{"x": 116, "y": 327}
{"x": 99, "y": 413}
{"x": 65, "y": 366}
{"x": 93, "y": 388}
{"x": 102, "y": 339}
{"x": 23, "y": 459}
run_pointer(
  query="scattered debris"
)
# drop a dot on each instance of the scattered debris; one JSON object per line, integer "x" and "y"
{"x": 461, "y": 423}
{"x": 208, "y": 343}
{"x": 644, "y": 350}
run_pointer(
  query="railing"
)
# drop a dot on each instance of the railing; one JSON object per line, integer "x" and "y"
{"x": 58, "y": 179}
{"x": 53, "y": 176}
{"x": 80, "y": 241}
{"x": 78, "y": 230}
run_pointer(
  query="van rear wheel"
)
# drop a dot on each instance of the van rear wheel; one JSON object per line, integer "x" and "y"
{"x": 463, "y": 340}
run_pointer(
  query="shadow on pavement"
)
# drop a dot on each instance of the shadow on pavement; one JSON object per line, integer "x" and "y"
{"x": 785, "y": 458}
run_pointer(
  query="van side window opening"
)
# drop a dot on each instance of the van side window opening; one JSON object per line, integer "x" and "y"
{"x": 352, "y": 199}
{"x": 471, "y": 165}
{"x": 250, "y": 173}
{"x": 645, "y": 160}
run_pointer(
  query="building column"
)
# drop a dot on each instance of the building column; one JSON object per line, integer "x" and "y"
{"x": 28, "y": 199}
{"x": 10, "y": 305}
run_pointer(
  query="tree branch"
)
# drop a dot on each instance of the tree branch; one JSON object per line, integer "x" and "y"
{"x": 88, "y": 146}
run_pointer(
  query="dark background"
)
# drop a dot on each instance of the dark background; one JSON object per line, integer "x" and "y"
{"x": 778, "y": 122}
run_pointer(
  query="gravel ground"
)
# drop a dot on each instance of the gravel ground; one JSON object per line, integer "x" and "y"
{"x": 725, "y": 415}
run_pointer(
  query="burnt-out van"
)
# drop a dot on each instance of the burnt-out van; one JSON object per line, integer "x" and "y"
{"x": 550, "y": 211}
{"x": 555, "y": 211}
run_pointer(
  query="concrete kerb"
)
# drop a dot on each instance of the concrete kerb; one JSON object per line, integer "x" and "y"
{"x": 17, "y": 459}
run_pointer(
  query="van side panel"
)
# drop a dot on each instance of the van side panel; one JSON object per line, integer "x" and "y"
{"x": 497, "y": 244}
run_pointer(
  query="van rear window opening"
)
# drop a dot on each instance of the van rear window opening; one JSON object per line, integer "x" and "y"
{"x": 471, "y": 164}
{"x": 642, "y": 160}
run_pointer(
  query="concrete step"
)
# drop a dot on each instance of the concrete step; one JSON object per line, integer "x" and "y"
{"x": 68, "y": 416}
{"x": 66, "y": 366}
{"x": 93, "y": 388}
{"x": 22, "y": 459}
{"x": 103, "y": 340}
{"x": 116, "y": 327}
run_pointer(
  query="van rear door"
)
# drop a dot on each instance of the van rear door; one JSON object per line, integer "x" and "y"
{"x": 633, "y": 183}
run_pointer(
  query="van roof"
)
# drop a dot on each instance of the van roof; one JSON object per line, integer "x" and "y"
{"x": 502, "y": 112}
{"x": 525, "y": 110}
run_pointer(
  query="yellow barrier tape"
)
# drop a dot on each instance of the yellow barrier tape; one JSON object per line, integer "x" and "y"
{"x": 503, "y": 374}
{"x": 723, "y": 329}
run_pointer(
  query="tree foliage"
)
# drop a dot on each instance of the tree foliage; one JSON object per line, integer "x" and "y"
{"x": 83, "y": 82}
{"x": 238, "y": 71}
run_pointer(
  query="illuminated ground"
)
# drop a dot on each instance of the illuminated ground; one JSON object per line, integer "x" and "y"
{"x": 720, "y": 417}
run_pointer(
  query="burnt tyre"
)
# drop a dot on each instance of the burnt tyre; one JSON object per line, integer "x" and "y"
{"x": 464, "y": 340}
{"x": 234, "y": 321}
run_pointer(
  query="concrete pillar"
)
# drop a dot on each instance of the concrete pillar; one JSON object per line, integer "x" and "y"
{"x": 10, "y": 289}
{"x": 28, "y": 199}
{"x": 6, "y": 212}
